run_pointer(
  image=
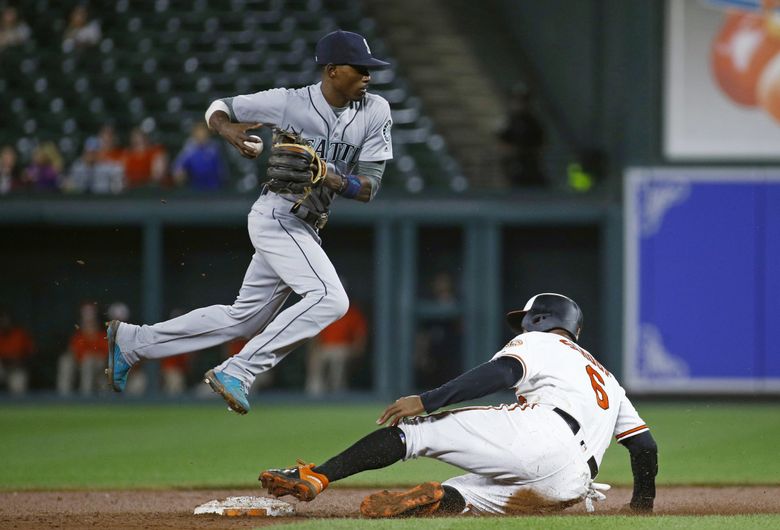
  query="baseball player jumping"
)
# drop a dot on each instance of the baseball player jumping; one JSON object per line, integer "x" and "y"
{"x": 539, "y": 454}
{"x": 331, "y": 138}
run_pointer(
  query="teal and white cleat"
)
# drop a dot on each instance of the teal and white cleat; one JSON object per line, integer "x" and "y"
{"x": 118, "y": 367}
{"x": 233, "y": 390}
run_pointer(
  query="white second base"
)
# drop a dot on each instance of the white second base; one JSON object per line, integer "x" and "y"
{"x": 249, "y": 506}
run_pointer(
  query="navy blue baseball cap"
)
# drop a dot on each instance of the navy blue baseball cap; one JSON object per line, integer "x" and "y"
{"x": 345, "y": 47}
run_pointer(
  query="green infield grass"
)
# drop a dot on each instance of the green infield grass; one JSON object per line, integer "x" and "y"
{"x": 120, "y": 445}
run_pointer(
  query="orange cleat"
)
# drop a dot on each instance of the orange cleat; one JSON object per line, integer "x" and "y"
{"x": 419, "y": 501}
{"x": 299, "y": 481}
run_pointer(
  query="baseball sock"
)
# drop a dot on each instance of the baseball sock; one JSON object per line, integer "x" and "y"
{"x": 452, "y": 502}
{"x": 377, "y": 450}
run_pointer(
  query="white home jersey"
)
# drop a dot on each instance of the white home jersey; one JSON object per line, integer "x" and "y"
{"x": 359, "y": 133}
{"x": 559, "y": 373}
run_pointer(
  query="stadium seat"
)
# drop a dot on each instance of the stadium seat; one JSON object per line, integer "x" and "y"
{"x": 164, "y": 60}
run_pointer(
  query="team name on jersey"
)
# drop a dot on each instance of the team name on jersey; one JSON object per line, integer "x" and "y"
{"x": 587, "y": 356}
{"x": 336, "y": 151}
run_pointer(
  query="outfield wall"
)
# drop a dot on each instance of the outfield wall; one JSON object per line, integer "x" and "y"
{"x": 184, "y": 252}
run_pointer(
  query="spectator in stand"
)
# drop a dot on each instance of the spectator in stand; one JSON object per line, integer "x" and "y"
{"x": 44, "y": 174}
{"x": 522, "y": 141}
{"x": 13, "y": 31}
{"x": 330, "y": 353}
{"x": 145, "y": 163}
{"x": 85, "y": 354}
{"x": 109, "y": 151}
{"x": 200, "y": 163}
{"x": 10, "y": 170}
{"x": 16, "y": 347}
{"x": 81, "y": 32}
{"x": 438, "y": 343}
{"x": 174, "y": 374}
{"x": 90, "y": 174}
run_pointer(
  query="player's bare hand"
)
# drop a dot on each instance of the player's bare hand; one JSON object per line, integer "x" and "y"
{"x": 236, "y": 134}
{"x": 402, "y": 408}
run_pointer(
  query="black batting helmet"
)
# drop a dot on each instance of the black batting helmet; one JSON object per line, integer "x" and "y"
{"x": 545, "y": 312}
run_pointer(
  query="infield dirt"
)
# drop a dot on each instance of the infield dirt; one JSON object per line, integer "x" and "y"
{"x": 168, "y": 509}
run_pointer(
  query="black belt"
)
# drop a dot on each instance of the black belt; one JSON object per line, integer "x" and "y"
{"x": 317, "y": 220}
{"x": 574, "y": 425}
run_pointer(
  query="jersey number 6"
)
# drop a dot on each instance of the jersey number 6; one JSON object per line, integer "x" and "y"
{"x": 596, "y": 381}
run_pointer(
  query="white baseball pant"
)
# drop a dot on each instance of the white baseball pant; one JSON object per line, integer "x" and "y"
{"x": 520, "y": 459}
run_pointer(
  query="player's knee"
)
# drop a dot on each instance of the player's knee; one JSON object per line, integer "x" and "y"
{"x": 339, "y": 303}
{"x": 332, "y": 303}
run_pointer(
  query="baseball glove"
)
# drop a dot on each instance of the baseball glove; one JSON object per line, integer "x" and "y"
{"x": 294, "y": 166}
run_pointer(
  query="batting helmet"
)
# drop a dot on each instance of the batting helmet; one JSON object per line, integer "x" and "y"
{"x": 545, "y": 312}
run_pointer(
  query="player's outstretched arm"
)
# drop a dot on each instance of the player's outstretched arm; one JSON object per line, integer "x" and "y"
{"x": 644, "y": 466}
{"x": 485, "y": 379}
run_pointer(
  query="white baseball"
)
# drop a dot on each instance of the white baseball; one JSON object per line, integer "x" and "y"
{"x": 255, "y": 145}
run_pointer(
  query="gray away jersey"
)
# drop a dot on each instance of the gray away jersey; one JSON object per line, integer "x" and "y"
{"x": 359, "y": 134}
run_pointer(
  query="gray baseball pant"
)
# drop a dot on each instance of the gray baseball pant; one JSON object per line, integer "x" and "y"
{"x": 288, "y": 257}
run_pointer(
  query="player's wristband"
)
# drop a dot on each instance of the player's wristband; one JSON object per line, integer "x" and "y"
{"x": 350, "y": 186}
